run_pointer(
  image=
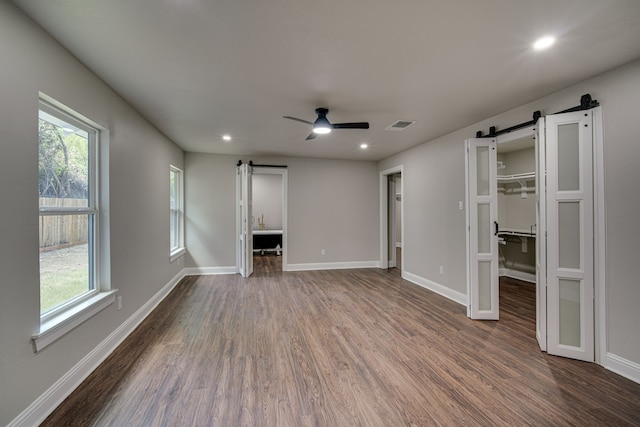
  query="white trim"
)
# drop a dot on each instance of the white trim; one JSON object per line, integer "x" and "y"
{"x": 467, "y": 226}
{"x": 204, "y": 271}
{"x": 333, "y": 265}
{"x": 40, "y": 409}
{"x": 599, "y": 244}
{"x": 398, "y": 244}
{"x": 515, "y": 274}
{"x": 69, "y": 319}
{"x": 622, "y": 366}
{"x": 177, "y": 254}
{"x": 445, "y": 291}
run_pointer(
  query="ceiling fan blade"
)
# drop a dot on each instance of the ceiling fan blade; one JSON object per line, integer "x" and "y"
{"x": 312, "y": 135}
{"x": 298, "y": 120}
{"x": 356, "y": 125}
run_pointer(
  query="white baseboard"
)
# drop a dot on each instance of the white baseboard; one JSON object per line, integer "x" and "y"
{"x": 519, "y": 275}
{"x": 203, "y": 271}
{"x": 333, "y": 265}
{"x": 456, "y": 296}
{"x": 44, "y": 405}
{"x": 624, "y": 367}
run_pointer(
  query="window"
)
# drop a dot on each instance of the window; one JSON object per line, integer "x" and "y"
{"x": 176, "y": 213}
{"x": 69, "y": 222}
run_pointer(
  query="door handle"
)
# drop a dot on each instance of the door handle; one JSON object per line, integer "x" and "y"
{"x": 495, "y": 224}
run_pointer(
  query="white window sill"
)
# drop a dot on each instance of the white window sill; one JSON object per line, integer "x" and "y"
{"x": 58, "y": 326}
{"x": 176, "y": 254}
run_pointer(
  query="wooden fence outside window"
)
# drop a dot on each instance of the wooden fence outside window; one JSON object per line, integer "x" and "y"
{"x": 59, "y": 231}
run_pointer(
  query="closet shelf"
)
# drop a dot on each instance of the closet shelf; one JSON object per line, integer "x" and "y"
{"x": 520, "y": 178}
{"x": 516, "y": 232}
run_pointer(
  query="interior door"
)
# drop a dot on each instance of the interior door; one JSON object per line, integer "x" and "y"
{"x": 482, "y": 203}
{"x": 569, "y": 220}
{"x": 541, "y": 250}
{"x": 392, "y": 220}
{"x": 246, "y": 231}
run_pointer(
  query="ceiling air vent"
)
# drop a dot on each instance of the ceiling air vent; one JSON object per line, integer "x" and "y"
{"x": 400, "y": 125}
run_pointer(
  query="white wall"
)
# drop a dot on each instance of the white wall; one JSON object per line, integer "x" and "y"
{"x": 210, "y": 197}
{"x": 433, "y": 179}
{"x": 332, "y": 205}
{"x": 267, "y": 201}
{"x": 139, "y": 200}
{"x": 518, "y": 213}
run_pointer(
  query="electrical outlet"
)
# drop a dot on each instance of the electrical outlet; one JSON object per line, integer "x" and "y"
{"x": 460, "y": 205}
{"x": 442, "y": 269}
{"x": 119, "y": 302}
{"x": 322, "y": 252}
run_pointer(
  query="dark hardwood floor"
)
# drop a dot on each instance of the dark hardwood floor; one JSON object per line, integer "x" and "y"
{"x": 340, "y": 348}
{"x": 268, "y": 263}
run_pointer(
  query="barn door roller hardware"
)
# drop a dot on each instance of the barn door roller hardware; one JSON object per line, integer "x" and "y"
{"x": 586, "y": 103}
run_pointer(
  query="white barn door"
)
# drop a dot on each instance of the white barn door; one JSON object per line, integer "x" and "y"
{"x": 569, "y": 221}
{"x": 482, "y": 203}
{"x": 246, "y": 230}
{"x": 541, "y": 249}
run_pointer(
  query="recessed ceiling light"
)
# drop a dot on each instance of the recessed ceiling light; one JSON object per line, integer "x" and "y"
{"x": 364, "y": 145}
{"x": 226, "y": 137}
{"x": 544, "y": 43}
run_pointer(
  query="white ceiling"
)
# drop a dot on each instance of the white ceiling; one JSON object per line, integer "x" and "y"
{"x": 198, "y": 69}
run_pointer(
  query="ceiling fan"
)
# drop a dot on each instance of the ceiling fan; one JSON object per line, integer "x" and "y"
{"x": 322, "y": 124}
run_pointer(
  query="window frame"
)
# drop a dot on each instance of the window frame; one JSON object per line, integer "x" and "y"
{"x": 178, "y": 249}
{"x": 91, "y": 210}
{"x": 61, "y": 319}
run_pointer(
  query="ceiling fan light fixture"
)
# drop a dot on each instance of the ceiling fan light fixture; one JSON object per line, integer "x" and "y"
{"x": 321, "y": 129}
{"x": 321, "y": 125}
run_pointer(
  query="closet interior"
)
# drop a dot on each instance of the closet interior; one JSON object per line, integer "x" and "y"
{"x": 517, "y": 209}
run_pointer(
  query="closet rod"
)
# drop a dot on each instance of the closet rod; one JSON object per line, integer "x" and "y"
{"x": 586, "y": 103}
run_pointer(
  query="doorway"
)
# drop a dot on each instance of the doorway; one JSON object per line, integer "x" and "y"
{"x": 394, "y": 225}
{"x": 517, "y": 223}
{"x": 262, "y": 218}
{"x": 268, "y": 220}
{"x": 392, "y": 190}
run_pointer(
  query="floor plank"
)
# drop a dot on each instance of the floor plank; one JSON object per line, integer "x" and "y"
{"x": 340, "y": 348}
